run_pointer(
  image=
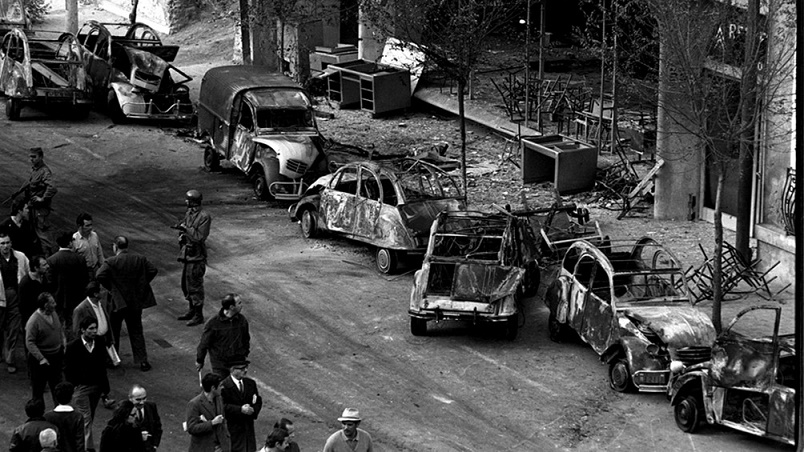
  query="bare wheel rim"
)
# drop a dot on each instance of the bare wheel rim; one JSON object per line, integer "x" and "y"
{"x": 384, "y": 260}
{"x": 686, "y": 414}
{"x": 619, "y": 376}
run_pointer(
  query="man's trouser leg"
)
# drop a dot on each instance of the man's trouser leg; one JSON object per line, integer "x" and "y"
{"x": 12, "y": 334}
{"x": 133, "y": 319}
{"x": 85, "y": 400}
{"x": 184, "y": 275}
{"x": 42, "y": 227}
{"x": 195, "y": 290}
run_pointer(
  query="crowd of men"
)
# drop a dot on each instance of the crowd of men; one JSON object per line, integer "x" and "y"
{"x": 62, "y": 307}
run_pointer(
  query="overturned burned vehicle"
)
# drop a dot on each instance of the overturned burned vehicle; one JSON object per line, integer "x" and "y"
{"x": 131, "y": 73}
{"x": 264, "y": 124}
{"x": 629, "y": 301}
{"x": 389, "y": 204}
{"x": 748, "y": 385}
{"x": 477, "y": 268}
{"x": 43, "y": 69}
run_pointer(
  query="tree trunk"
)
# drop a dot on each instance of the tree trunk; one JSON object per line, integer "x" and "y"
{"x": 72, "y": 16}
{"x": 748, "y": 85}
{"x": 245, "y": 33}
{"x": 717, "y": 268}
{"x": 462, "y": 117}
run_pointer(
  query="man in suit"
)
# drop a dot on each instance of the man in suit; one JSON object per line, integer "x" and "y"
{"x": 69, "y": 278}
{"x": 205, "y": 418}
{"x": 242, "y": 404}
{"x": 69, "y": 421}
{"x": 147, "y": 419}
{"x": 26, "y": 437}
{"x": 85, "y": 368}
{"x": 128, "y": 277}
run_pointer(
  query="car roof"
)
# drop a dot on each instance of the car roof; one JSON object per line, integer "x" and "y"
{"x": 221, "y": 84}
{"x": 394, "y": 166}
{"x": 620, "y": 249}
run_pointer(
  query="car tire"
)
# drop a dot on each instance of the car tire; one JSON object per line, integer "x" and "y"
{"x": 532, "y": 280}
{"x": 512, "y": 327}
{"x": 557, "y": 330}
{"x": 13, "y": 109}
{"x": 689, "y": 413}
{"x": 418, "y": 327}
{"x": 620, "y": 376}
{"x": 113, "y": 108}
{"x": 308, "y": 224}
{"x": 387, "y": 260}
{"x": 212, "y": 161}
{"x": 260, "y": 186}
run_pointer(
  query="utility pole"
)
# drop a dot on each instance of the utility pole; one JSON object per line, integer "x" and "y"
{"x": 72, "y": 16}
{"x": 245, "y": 33}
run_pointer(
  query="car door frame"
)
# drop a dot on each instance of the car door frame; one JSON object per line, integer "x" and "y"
{"x": 336, "y": 206}
{"x": 367, "y": 210}
{"x": 242, "y": 148}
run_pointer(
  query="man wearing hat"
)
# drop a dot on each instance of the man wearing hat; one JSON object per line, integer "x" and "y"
{"x": 350, "y": 438}
{"x": 225, "y": 337}
{"x": 241, "y": 405}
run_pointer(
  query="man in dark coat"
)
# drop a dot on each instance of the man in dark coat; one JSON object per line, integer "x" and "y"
{"x": 70, "y": 423}
{"x": 147, "y": 419}
{"x": 128, "y": 278}
{"x": 205, "y": 419}
{"x": 225, "y": 337}
{"x": 242, "y": 404}
{"x": 31, "y": 286}
{"x": 68, "y": 271}
{"x": 85, "y": 368}
{"x": 25, "y": 438}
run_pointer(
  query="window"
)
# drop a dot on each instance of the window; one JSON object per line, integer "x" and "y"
{"x": 369, "y": 187}
{"x": 346, "y": 181}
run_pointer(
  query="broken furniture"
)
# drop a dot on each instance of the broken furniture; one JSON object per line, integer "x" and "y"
{"x": 734, "y": 270}
{"x": 627, "y": 191}
{"x": 324, "y": 56}
{"x": 569, "y": 164}
{"x": 789, "y": 202}
{"x": 376, "y": 88}
{"x": 594, "y": 117}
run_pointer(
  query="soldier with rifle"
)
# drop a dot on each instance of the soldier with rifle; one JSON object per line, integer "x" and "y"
{"x": 38, "y": 193}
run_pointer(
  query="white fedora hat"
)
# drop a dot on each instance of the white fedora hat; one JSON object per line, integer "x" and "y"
{"x": 350, "y": 414}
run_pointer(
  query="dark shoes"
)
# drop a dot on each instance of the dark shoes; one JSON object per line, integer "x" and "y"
{"x": 145, "y": 366}
{"x": 189, "y": 315}
{"x": 195, "y": 320}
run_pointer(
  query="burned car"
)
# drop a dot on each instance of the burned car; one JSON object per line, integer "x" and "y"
{"x": 131, "y": 73}
{"x": 43, "y": 69}
{"x": 628, "y": 300}
{"x": 389, "y": 204}
{"x": 748, "y": 385}
{"x": 477, "y": 268}
{"x": 264, "y": 124}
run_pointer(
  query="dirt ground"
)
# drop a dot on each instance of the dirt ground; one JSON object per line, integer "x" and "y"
{"x": 327, "y": 331}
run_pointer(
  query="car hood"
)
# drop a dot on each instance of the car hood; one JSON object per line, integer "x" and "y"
{"x": 299, "y": 148}
{"x": 676, "y": 326}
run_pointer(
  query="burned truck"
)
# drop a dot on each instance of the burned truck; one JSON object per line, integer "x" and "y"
{"x": 43, "y": 68}
{"x": 131, "y": 74}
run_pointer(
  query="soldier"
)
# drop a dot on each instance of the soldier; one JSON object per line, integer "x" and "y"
{"x": 193, "y": 233}
{"x": 38, "y": 193}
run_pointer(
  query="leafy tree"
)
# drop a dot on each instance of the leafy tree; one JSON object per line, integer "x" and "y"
{"x": 36, "y": 10}
{"x": 453, "y": 35}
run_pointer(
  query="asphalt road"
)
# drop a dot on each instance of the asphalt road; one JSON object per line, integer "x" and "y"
{"x": 328, "y": 332}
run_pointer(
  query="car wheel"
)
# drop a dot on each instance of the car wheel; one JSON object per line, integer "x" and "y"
{"x": 13, "y": 109}
{"x": 260, "y": 186}
{"x": 212, "y": 161}
{"x": 620, "y": 376}
{"x": 113, "y": 108}
{"x": 308, "y": 224}
{"x": 512, "y": 327}
{"x": 556, "y": 329}
{"x": 689, "y": 413}
{"x": 418, "y": 327}
{"x": 387, "y": 260}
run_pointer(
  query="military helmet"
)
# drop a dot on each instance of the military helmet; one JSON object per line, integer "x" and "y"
{"x": 194, "y": 197}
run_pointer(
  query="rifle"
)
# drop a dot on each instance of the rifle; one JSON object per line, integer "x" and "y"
{"x": 14, "y": 195}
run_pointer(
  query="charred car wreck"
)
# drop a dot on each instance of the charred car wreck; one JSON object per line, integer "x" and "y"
{"x": 478, "y": 267}
{"x": 43, "y": 69}
{"x": 388, "y": 204}
{"x": 131, "y": 75}
{"x": 748, "y": 385}
{"x": 622, "y": 298}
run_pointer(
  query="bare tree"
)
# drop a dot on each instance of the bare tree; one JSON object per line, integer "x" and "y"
{"x": 719, "y": 81}
{"x": 453, "y": 35}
